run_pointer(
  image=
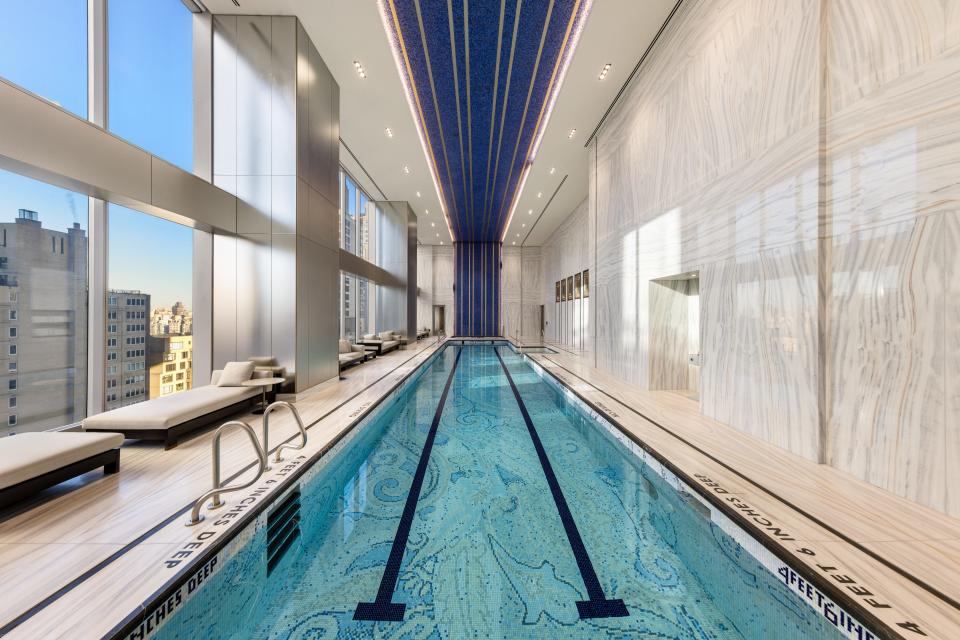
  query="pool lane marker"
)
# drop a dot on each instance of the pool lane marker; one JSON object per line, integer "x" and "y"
{"x": 383, "y": 608}
{"x": 598, "y": 606}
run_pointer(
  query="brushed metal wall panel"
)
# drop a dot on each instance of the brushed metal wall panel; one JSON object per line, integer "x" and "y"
{"x": 254, "y": 204}
{"x": 253, "y": 98}
{"x": 356, "y": 265}
{"x": 224, "y": 299}
{"x": 305, "y": 287}
{"x": 303, "y": 100}
{"x": 411, "y": 293}
{"x": 283, "y": 96}
{"x": 225, "y": 95}
{"x": 333, "y": 177}
{"x": 324, "y": 320}
{"x": 283, "y": 204}
{"x": 191, "y": 200}
{"x": 321, "y": 221}
{"x": 202, "y": 306}
{"x": 43, "y": 141}
{"x": 203, "y": 95}
{"x": 284, "y": 289}
{"x": 254, "y": 296}
{"x": 323, "y": 163}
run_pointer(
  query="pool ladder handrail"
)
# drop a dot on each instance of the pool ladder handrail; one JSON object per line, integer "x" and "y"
{"x": 195, "y": 516}
{"x": 280, "y": 404}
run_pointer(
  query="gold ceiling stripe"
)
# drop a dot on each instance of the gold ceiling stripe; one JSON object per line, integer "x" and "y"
{"x": 503, "y": 113}
{"x": 416, "y": 98}
{"x": 456, "y": 91}
{"x": 466, "y": 51}
{"x": 553, "y": 77}
{"x": 436, "y": 106}
{"x": 493, "y": 107}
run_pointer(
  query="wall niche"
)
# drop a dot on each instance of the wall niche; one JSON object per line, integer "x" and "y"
{"x": 675, "y": 334}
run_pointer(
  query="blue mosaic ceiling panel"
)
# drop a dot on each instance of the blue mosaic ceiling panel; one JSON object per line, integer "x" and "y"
{"x": 481, "y": 74}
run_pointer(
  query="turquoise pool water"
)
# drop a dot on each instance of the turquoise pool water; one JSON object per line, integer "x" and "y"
{"x": 491, "y": 549}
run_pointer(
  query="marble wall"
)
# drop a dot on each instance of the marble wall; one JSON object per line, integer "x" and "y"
{"x": 802, "y": 155}
{"x": 566, "y": 252}
{"x": 891, "y": 207}
{"x": 435, "y": 285}
{"x": 520, "y": 293}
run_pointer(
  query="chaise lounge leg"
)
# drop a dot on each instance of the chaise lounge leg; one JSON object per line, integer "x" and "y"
{"x": 112, "y": 467}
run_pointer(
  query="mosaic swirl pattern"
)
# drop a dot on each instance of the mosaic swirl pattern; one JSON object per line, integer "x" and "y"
{"x": 487, "y": 555}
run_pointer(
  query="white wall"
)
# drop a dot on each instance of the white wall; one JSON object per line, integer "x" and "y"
{"x": 566, "y": 252}
{"x": 435, "y": 284}
{"x": 804, "y": 159}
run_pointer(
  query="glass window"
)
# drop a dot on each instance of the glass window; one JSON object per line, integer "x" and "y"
{"x": 363, "y": 227}
{"x": 348, "y": 310}
{"x": 151, "y": 77}
{"x": 47, "y": 294}
{"x": 356, "y": 218}
{"x": 348, "y": 231}
{"x": 151, "y": 285}
{"x": 43, "y": 48}
{"x": 356, "y": 305}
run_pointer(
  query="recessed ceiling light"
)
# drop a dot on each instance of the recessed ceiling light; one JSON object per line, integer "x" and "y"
{"x": 418, "y": 194}
{"x": 530, "y": 212}
{"x": 360, "y": 70}
{"x": 524, "y": 225}
{"x": 426, "y": 211}
{"x": 438, "y": 235}
{"x": 552, "y": 170}
{"x": 518, "y": 235}
{"x": 389, "y": 132}
{"x": 441, "y": 242}
{"x": 539, "y": 194}
{"x": 433, "y": 224}
{"x": 572, "y": 133}
{"x": 514, "y": 242}
{"x": 406, "y": 169}
{"x": 604, "y": 71}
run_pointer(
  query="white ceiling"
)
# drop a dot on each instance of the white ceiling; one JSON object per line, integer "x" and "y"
{"x": 616, "y": 32}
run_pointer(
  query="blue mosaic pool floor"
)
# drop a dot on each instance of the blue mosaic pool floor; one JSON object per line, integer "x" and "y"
{"x": 487, "y": 555}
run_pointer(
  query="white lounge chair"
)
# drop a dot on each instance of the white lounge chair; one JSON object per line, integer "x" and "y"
{"x": 170, "y": 417}
{"x": 350, "y": 354}
{"x": 384, "y": 341}
{"x": 31, "y": 462}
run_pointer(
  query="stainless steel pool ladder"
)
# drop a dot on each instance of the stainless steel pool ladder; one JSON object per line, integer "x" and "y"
{"x": 218, "y": 489}
{"x": 280, "y": 404}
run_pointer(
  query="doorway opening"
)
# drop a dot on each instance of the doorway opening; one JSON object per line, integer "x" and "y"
{"x": 439, "y": 320}
{"x": 674, "y": 341}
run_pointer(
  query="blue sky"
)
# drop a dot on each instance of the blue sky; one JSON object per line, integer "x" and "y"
{"x": 43, "y": 48}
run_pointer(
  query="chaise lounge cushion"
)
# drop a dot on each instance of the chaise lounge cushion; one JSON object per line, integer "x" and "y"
{"x": 169, "y": 411}
{"x": 28, "y": 455}
{"x": 350, "y": 357}
{"x": 234, "y": 374}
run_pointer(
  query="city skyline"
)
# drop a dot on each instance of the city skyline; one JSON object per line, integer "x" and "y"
{"x": 132, "y": 262}
{"x": 151, "y": 105}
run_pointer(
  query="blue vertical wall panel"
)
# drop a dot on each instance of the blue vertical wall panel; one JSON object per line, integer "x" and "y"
{"x": 477, "y": 282}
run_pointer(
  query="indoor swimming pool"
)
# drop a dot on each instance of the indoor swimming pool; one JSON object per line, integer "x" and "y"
{"x": 484, "y": 501}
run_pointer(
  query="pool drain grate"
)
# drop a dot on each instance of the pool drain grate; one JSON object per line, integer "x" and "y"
{"x": 283, "y": 528}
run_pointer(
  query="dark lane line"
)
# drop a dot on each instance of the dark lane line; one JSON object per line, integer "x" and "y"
{"x": 598, "y": 606}
{"x": 100, "y": 566}
{"x": 383, "y": 608}
{"x": 743, "y": 476}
